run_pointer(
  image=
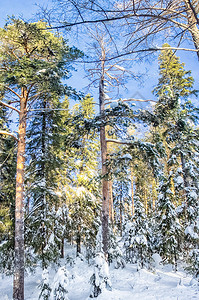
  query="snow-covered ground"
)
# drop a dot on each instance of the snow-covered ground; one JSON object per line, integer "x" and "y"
{"x": 127, "y": 284}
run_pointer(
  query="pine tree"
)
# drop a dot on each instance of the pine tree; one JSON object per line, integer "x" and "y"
{"x": 33, "y": 61}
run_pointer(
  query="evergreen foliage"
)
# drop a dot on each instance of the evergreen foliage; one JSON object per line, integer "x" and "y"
{"x": 174, "y": 80}
{"x": 168, "y": 228}
{"x": 7, "y": 194}
{"x": 178, "y": 132}
{"x": 60, "y": 284}
{"x": 100, "y": 279}
{"x": 154, "y": 181}
{"x": 44, "y": 286}
{"x": 137, "y": 237}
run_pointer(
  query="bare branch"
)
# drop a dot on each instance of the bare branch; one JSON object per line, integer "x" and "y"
{"x": 139, "y": 51}
{"x": 12, "y": 91}
{"x": 9, "y": 106}
{"x": 8, "y": 133}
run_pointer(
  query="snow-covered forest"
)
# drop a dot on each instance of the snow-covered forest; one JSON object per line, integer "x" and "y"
{"x": 99, "y": 191}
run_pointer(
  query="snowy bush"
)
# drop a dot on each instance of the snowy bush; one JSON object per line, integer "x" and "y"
{"x": 194, "y": 262}
{"x": 137, "y": 235}
{"x": 100, "y": 279}
{"x": 44, "y": 286}
{"x": 60, "y": 285}
{"x": 115, "y": 254}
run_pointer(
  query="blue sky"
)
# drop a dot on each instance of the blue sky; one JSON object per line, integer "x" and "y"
{"x": 22, "y": 8}
{"x": 27, "y": 8}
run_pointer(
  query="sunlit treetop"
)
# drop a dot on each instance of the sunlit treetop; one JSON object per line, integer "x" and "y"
{"x": 34, "y": 56}
{"x": 173, "y": 75}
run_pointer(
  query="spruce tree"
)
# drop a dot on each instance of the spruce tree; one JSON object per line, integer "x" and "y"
{"x": 168, "y": 228}
{"x": 176, "y": 127}
{"x": 174, "y": 79}
{"x": 42, "y": 173}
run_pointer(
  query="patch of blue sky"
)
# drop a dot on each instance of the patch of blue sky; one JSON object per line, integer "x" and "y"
{"x": 26, "y": 9}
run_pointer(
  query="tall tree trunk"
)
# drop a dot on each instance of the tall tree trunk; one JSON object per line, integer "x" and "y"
{"x": 193, "y": 24}
{"x": 103, "y": 144}
{"x": 18, "y": 285}
{"x": 43, "y": 174}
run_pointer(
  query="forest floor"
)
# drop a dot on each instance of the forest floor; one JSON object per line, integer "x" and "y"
{"x": 127, "y": 283}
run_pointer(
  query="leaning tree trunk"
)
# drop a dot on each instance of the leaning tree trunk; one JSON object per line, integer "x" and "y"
{"x": 105, "y": 190}
{"x": 18, "y": 286}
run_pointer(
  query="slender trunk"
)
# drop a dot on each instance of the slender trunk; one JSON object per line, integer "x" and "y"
{"x": 169, "y": 171}
{"x": 145, "y": 201}
{"x": 111, "y": 210}
{"x": 18, "y": 285}
{"x": 105, "y": 196}
{"x": 43, "y": 175}
{"x": 121, "y": 211}
{"x": 186, "y": 182}
{"x": 105, "y": 193}
{"x": 154, "y": 193}
{"x": 132, "y": 192}
{"x": 78, "y": 242}
{"x": 184, "y": 171}
{"x": 62, "y": 248}
{"x": 193, "y": 24}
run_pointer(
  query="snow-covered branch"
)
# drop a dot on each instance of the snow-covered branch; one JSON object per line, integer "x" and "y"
{"x": 130, "y": 100}
{"x": 121, "y": 142}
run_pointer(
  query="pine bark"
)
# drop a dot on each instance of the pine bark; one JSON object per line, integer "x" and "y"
{"x": 18, "y": 285}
